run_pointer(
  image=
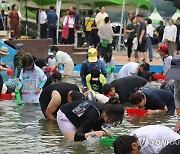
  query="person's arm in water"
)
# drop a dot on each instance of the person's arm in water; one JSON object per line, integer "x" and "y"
{"x": 158, "y": 111}
{"x": 57, "y": 66}
{"x": 54, "y": 103}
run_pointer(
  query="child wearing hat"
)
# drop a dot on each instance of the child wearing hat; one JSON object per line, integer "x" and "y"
{"x": 3, "y": 52}
{"x": 163, "y": 52}
{"x": 95, "y": 80}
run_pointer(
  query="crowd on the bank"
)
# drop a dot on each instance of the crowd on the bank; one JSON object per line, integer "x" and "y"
{"x": 83, "y": 112}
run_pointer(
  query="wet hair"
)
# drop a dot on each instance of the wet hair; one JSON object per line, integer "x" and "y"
{"x": 140, "y": 15}
{"x": 95, "y": 72}
{"x": 107, "y": 57}
{"x": 113, "y": 100}
{"x": 54, "y": 48}
{"x": 136, "y": 98}
{"x": 106, "y": 89}
{"x": 76, "y": 95}
{"x": 114, "y": 111}
{"x": 13, "y": 6}
{"x": 51, "y": 7}
{"x": 106, "y": 20}
{"x": 40, "y": 62}
{"x": 27, "y": 61}
{"x": 149, "y": 21}
{"x": 145, "y": 66}
{"x": 56, "y": 77}
{"x": 71, "y": 13}
{"x": 123, "y": 144}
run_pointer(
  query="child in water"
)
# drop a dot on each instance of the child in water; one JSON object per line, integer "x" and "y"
{"x": 32, "y": 80}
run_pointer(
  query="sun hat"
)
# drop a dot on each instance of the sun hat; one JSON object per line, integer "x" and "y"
{"x": 174, "y": 71}
{"x": 4, "y": 50}
{"x": 92, "y": 55}
{"x": 19, "y": 47}
{"x": 50, "y": 53}
{"x": 163, "y": 47}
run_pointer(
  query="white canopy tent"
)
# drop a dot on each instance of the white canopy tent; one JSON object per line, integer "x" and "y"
{"x": 176, "y": 14}
{"x": 155, "y": 17}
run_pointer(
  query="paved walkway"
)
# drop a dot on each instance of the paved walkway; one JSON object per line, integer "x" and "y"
{"x": 121, "y": 58}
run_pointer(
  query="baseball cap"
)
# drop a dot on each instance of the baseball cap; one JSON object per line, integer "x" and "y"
{"x": 92, "y": 55}
{"x": 163, "y": 47}
{"x": 19, "y": 47}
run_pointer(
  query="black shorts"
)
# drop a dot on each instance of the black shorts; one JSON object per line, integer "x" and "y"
{"x": 142, "y": 47}
{"x": 178, "y": 46}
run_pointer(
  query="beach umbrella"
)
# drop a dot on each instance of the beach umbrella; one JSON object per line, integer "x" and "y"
{"x": 176, "y": 14}
{"x": 155, "y": 17}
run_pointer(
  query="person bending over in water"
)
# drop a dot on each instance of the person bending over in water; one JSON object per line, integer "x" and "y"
{"x": 76, "y": 120}
{"x": 53, "y": 96}
{"x": 156, "y": 101}
{"x": 145, "y": 140}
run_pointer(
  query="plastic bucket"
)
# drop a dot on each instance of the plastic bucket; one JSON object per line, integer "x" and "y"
{"x": 159, "y": 76}
{"x": 108, "y": 141}
{"x": 6, "y": 96}
{"x": 47, "y": 69}
{"x": 10, "y": 72}
{"x": 135, "y": 111}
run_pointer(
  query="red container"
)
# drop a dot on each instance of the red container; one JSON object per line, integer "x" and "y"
{"x": 159, "y": 76}
{"x": 48, "y": 69}
{"x": 10, "y": 72}
{"x": 6, "y": 96}
{"x": 135, "y": 111}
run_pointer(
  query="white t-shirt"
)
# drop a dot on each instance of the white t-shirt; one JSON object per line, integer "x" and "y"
{"x": 153, "y": 138}
{"x": 71, "y": 21}
{"x": 167, "y": 64}
{"x": 170, "y": 33}
{"x": 31, "y": 81}
{"x": 51, "y": 62}
{"x": 100, "y": 19}
{"x": 62, "y": 57}
{"x": 149, "y": 30}
{"x": 43, "y": 17}
{"x": 128, "y": 69}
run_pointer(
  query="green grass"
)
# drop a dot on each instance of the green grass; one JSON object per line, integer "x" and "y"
{"x": 30, "y": 14}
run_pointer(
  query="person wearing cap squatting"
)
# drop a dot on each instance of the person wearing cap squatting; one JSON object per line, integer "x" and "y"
{"x": 174, "y": 73}
{"x": 163, "y": 52}
{"x": 17, "y": 61}
{"x": 91, "y": 62}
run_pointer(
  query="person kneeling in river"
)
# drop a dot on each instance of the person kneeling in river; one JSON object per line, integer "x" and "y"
{"x": 154, "y": 100}
{"x": 53, "y": 96}
{"x": 76, "y": 120}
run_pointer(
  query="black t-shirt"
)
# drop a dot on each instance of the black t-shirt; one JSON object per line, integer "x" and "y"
{"x": 130, "y": 27}
{"x": 86, "y": 122}
{"x": 142, "y": 27}
{"x": 158, "y": 99}
{"x": 62, "y": 88}
{"x": 128, "y": 85}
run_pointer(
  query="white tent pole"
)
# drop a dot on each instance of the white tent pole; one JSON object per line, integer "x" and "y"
{"x": 137, "y": 10}
{"x": 120, "y": 33}
{"x": 58, "y": 10}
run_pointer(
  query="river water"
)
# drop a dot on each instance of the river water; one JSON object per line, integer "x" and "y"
{"x": 23, "y": 129}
